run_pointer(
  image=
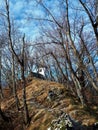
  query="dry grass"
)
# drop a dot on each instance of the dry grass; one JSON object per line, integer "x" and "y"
{"x": 42, "y": 111}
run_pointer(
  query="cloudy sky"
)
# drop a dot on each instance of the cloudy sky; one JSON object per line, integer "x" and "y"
{"x": 22, "y": 11}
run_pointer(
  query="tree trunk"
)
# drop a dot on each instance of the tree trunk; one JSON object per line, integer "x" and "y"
{"x": 26, "y": 112}
{"x": 78, "y": 86}
{"x": 3, "y": 116}
{"x": 73, "y": 75}
{"x": 58, "y": 64}
{"x": 76, "y": 82}
{"x": 93, "y": 22}
{"x": 21, "y": 62}
{"x": 80, "y": 63}
{"x": 14, "y": 84}
{"x": 1, "y": 93}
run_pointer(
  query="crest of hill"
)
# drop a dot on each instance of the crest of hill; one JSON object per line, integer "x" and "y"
{"x": 42, "y": 110}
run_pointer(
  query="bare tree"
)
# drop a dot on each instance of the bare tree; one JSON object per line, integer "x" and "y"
{"x": 1, "y": 48}
{"x": 20, "y": 61}
{"x": 1, "y": 93}
{"x": 93, "y": 17}
{"x": 67, "y": 35}
{"x": 14, "y": 83}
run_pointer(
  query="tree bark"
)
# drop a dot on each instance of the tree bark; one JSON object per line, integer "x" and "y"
{"x": 21, "y": 62}
{"x": 58, "y": 64}
{"x": 3, "y": 116}
{"x": 26, "y": 112}
{"x": 14, "y": 84}
{"x": 1, "y": 92}
{"x": 73, "y": 75}
{"x": 80, "y": 63}
{"x": 93, "y": 23}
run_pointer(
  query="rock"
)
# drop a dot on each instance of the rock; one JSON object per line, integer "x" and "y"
{"x": 55, "y": 93}
{"x": 62, "y": 123}
{"x": 65, "y": 122}
{"x": 51, "y": 95}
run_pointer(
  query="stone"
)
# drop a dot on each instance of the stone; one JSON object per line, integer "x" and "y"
{"x": 62, "y": 123}
{"x": 51, "y": 95}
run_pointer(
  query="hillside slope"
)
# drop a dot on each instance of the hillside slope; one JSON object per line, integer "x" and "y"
{"x": 44, "y": 110}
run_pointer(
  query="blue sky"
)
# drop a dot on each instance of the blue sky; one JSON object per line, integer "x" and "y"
{"x": 21, "y": 10}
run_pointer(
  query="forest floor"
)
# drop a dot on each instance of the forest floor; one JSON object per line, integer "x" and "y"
{"x": 42, "y": 110}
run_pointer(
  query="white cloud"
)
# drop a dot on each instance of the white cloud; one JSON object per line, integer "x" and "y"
{"x": 17, "y": 8}
{"x": 21, "y": 9}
